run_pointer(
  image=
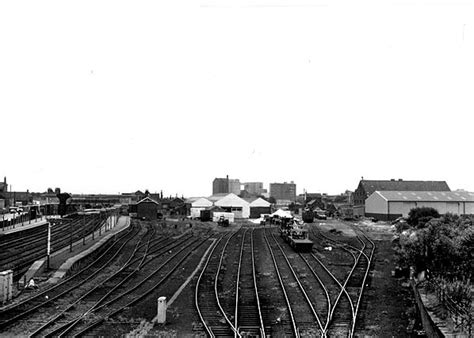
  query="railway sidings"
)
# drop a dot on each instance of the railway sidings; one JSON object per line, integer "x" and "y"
{"x": 250, "y": 283}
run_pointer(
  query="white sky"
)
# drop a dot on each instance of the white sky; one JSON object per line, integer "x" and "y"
{"x": 115, "y": 96}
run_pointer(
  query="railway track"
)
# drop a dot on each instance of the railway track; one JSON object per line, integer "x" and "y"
{"x": 23, "y": 248}
{"x": 55, "y": 325}
{"x": 11, "y": 315}
{"x": 248, "y": 312}
{"x": 343, "y": 318}
{"x": 210, "y": 312}
{"x": 97, "y": 320}
{"x": 274, "y": 309}
{"x": 304, "y": 319}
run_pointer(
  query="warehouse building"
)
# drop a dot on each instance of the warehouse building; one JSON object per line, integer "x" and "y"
{"x": 147, "y": 209}
{"x": 389, "y": 205}
{"x": 258, "y": 207}
{"x": 234, "y": 204}
{"x": 368, "y": 187}
{"x": 226, "y": 185}
{"x": 254, "y": 188}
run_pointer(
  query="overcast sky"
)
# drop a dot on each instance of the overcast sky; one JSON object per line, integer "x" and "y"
{"x": 115, "y": 96}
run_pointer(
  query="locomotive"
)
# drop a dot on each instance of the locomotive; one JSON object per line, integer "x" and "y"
{"x": 296, "y": 236}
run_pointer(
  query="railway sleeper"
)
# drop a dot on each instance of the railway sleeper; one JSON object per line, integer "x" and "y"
{"x": 249, "y": 331}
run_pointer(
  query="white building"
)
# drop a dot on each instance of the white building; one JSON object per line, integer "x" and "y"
{"x": 233, "y": 203}
{"x": 198, "y": 205}
{"x": 389, "y": 205}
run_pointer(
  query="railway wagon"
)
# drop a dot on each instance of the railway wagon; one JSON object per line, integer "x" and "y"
{"x": 296, "y": 237}
{"x": 308, "y": 216}
{"x": 299, "y": 240}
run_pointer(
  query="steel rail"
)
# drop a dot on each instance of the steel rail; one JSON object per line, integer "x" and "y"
{"x": 72, "y": 305}
{"x": 216, "y": 279}
{"x": 303, "y": 291}
{"x": 369, "y": 262}
{"x": 238, "y": 283}
{"x": 42, "y": 294}
{"x": 290, "y": 311}
{"x": 66, "y": 328}
{"x": 355, "y": 308}
{"x": 63, "y": 329}
{"x": 196, "y": 298}
{"x": 342, "y": 245}
{"x": 262, "y": 326}
{"x": 149, "y": 290}
{"x": 328, "y": 298}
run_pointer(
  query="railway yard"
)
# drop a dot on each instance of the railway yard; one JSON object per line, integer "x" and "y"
{"x": 239, "y": 280}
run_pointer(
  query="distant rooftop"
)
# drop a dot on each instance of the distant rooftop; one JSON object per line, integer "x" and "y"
{"x": 401, "y": 185}
{"x": 428, "y": 196}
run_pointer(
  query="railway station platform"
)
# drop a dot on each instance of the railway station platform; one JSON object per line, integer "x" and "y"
{"x": 63, "y": 260}
{"x": 23, "y": 226}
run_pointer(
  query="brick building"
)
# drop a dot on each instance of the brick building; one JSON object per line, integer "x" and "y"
{"x": 225, "y": 186}
{"x": 283, "y": 191}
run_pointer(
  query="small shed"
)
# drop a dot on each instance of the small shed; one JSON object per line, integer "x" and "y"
{"x": 147, "y": 208}
{"x": 258, "y": 207}
{"x": 198, "y": 205}
{"x": 208, "y": 213}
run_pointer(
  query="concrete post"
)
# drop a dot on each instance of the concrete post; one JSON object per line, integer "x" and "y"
{"x": 161, "y": 317}
{"x": 6, "y": 286}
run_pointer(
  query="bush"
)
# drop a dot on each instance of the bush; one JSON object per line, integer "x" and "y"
{"x": 418, "y": 217}
{"x": 445, "y": 246}
{"x": 401, "y": 226}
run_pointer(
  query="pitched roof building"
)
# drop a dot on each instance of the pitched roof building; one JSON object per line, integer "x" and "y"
{"x": 389, "y": 205}
{"x": 368, "y": 187}
{"x": 147, "y": 208}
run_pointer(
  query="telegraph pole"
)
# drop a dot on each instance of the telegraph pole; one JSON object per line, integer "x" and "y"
{"x": 48, "y": 247}
{"x": 84, "y": 229}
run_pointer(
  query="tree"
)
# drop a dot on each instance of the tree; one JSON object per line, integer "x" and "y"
{"x": 418, "y": 217}
{"x": 443, "y": 245}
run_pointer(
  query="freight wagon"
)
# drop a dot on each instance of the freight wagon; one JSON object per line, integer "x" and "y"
{"x": 296, "y": 236}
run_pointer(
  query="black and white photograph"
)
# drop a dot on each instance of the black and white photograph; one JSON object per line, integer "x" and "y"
{"x": 236, "y": 168}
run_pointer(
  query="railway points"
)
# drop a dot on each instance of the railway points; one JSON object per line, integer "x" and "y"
{"x": 251, "y": 282}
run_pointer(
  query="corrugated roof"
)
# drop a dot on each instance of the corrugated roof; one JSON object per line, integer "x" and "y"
{"x": 217, "y": 197}
{"x": 231, "y": 200}
{"x": 400, "y": 185}
{"x": 428, "y": 196}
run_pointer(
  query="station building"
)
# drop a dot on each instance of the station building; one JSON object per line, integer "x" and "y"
{"x": 389, "y": 205}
